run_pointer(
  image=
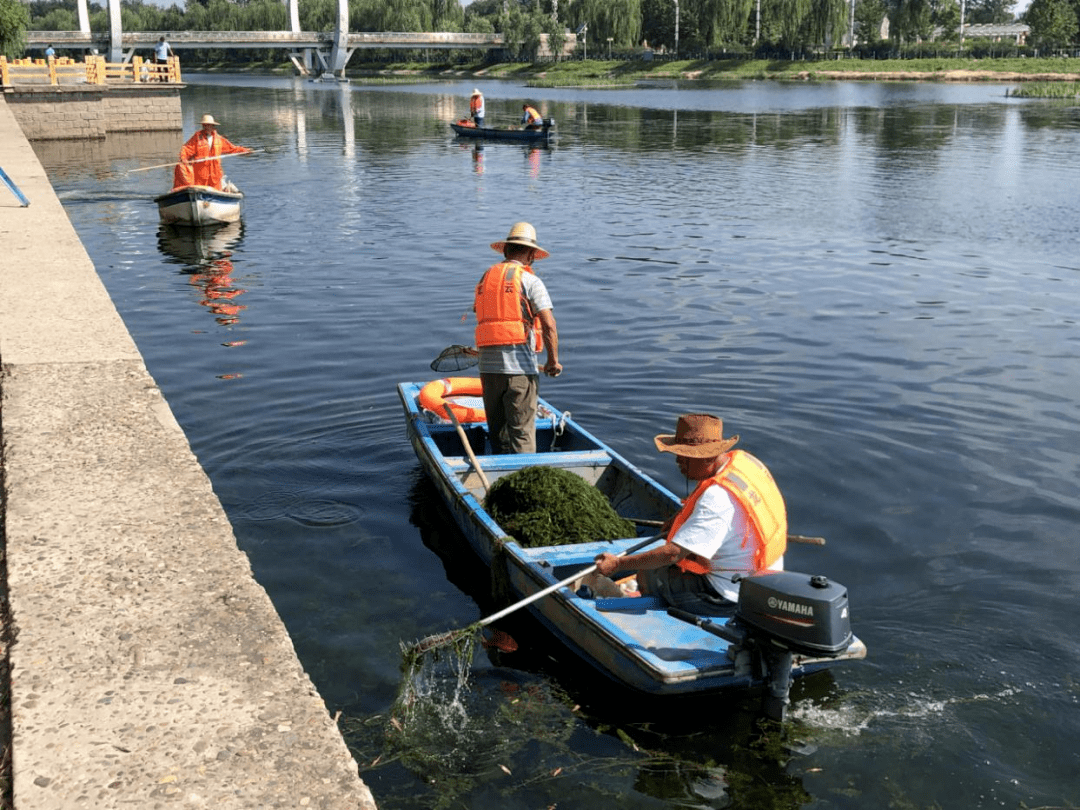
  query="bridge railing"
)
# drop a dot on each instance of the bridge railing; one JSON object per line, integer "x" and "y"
{"x": 269, "y": 39}
{"x": 93, "y": 70}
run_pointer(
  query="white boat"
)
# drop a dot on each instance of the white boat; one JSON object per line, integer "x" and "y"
{"x": 199, "y": 205}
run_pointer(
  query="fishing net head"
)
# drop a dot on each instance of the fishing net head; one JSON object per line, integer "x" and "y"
{"x": 455, "y": 358}
{"x": 435, "y": 675}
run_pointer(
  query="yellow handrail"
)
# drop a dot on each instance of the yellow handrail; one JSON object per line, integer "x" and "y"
{"x": 92, "y": 70}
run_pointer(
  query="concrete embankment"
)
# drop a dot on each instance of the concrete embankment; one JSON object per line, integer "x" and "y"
{"x": 149, "y": 669}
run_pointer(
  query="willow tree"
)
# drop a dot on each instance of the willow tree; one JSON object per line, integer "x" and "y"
{"x": 317, "y": 15}
{"x": 910, "y": 20}
{"x": 618, "y": 19}
{"x": 721, "y": 21}
{"x": 14, "y": 18}
{"x": 802, "y": 23}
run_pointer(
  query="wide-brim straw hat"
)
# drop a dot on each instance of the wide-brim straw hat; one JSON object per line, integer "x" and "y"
{"x": 209, "y": 119}
{"x": 522, "y": 233}
{"x": 475, "y": 92}
{"x": 697, "y": 435}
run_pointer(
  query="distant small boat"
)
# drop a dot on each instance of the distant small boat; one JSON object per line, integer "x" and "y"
{"x": 199, "y": 205}
{"x": 467, "y": 129}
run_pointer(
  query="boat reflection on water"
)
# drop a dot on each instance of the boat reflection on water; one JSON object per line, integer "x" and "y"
{"x": 196, "y": 246}
{"x": 206, "y": 254}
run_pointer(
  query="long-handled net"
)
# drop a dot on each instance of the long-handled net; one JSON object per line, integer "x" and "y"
{"x": 455, "y": 358}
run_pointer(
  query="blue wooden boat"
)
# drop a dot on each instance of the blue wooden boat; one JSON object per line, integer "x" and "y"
{"x": 467, "y": 129}
{"x": 634, "y": 640}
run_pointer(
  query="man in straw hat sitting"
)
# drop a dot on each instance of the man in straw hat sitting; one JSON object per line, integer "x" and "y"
{"x": 514, "y": 323}
{"x": 194, "y": 169}
{"x": 733, "y": 523}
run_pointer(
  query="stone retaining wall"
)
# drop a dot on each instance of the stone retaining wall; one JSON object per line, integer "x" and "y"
{"x": 79, "y": 113}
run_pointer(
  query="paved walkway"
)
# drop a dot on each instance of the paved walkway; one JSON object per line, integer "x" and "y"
{"x": 150, "y": 670}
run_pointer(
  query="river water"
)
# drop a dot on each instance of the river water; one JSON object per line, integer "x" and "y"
{"x": 874, "y": 284}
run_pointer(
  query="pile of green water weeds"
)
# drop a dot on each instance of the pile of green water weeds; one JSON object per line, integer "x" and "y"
{"x": 548, "y": 506}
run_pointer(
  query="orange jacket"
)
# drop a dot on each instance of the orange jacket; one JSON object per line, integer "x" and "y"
{"x": 752, "y": 485}
{"x": 207, "y": 173}
{"x": 531, "y": 118}
{"x": 502, "y": 311}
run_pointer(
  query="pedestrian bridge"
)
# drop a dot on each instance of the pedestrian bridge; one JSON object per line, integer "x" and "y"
{"x": 331, "y": 49}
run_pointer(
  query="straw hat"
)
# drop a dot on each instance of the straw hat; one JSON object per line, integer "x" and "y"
{"x": 475, "y": 92}
{"x": 209, "y": 119}
{"x": 697, "y": 435}
{"x": 522, "y": 233}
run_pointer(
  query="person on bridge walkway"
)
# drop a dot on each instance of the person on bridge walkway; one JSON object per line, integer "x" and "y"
{"x": 194, "y": 169}
{"x": 476, "y": 107}
{"x": 530, "y": 117}
{"x": 162, "y": 52}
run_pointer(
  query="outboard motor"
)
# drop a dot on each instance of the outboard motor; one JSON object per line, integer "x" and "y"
{"x": 782, "y": 614}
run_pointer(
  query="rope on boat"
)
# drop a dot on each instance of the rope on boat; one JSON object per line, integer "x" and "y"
{"x": 558, "y": 427}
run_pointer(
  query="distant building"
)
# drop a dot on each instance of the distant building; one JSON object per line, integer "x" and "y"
{"x": 998, "y": 32}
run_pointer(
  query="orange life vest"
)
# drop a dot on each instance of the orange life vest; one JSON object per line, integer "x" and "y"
{"x": 476, "y": 105}
{"x": 751, "y": 484}
{"x": 531, "y": 118}
{"x": 502, "y": 311}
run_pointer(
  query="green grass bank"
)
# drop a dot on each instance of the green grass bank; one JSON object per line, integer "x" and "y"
{"x": 615, "y": 72}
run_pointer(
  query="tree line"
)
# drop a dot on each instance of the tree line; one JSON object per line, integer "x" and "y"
{"x": 690, "y": 28}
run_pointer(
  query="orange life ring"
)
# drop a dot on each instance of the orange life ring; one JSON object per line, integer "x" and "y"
{"x": 438, "y": 393}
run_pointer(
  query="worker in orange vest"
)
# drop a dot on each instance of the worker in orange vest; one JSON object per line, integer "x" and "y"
{"x": 515, "y": 321}
{"x": 530, "y": 117}
{"x": 198, "y": 166}
{"x": 734, "y": 523}
{"x": 476, "y": 107}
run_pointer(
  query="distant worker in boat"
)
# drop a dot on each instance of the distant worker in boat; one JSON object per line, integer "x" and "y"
{"x": 733, "y": 523}
{"x": 515, "y": 322}
{"x": 476, "y": 107}
{"x": 530, "y": 118}
{"x": 194, "y": 169}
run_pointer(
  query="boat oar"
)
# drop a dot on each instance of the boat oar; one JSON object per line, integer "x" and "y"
{"x": 199, "y": 160}
{"x": 467, "y": 446}
{"x": 443, "y": 639}
{"x": 792, "y": 538}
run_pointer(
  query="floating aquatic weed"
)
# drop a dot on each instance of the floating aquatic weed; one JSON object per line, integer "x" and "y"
{"x": 547, "y": 506}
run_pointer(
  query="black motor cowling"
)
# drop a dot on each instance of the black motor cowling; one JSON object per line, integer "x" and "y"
{"x": 802, "y": 613}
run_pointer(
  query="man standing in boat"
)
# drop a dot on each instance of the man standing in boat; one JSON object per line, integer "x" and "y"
{"x": 514, "y": 323}
{"x": 733, "y": 523}
{"x": 476, "y": 107}
{"x": 530, "y": 118}
{"x": 198, "y": 166}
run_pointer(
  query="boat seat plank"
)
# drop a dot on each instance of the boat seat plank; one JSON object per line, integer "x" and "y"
{"x": 514, "y": 462}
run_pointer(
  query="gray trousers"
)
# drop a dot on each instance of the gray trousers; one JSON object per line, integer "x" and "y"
{"x": 510, "y": 405}
{"x": 684, "y": 590}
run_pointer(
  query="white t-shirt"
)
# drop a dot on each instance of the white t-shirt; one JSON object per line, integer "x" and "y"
{"x": 718, "y": 529}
